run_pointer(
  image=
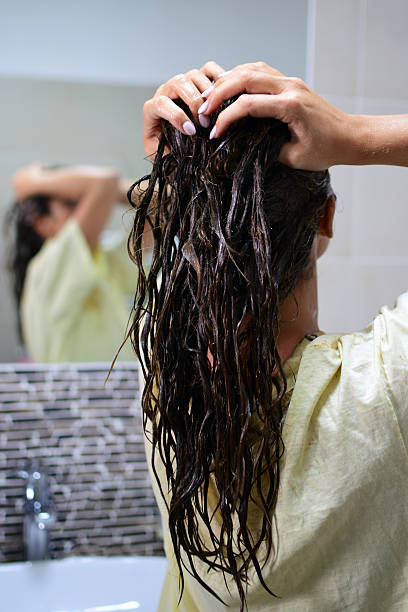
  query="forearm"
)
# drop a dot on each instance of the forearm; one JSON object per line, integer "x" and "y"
{"x": 378, "y": 140}
{"x": 93, "y": 189}
{"x": 73, "y": 183}
{"x": 99, "y": 195}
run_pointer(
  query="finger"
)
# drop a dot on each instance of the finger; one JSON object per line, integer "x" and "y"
{"x": 249, "y": 105}
{"x": 187, "y": 87}
{"x": 212, "y": 70}
{"x": 161, "y": 107}
{"x": 288, "y": 158}
{"x": 184, "y": 88}
{"x": 259, "y": 66}
{"x": 200, "y": 80}
{"x": 244, "y": 81}
{"x": 202, "y": 83}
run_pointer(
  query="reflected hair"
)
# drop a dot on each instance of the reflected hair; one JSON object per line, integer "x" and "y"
{"x": 23, "y": 242}
{"x": 233, "y": 230}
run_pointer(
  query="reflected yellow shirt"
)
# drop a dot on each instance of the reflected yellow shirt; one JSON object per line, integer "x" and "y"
{"x": 342, "y": 510}
{"x": 76, "y": 304}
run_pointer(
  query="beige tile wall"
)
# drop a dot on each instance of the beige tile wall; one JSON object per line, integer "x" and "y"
{"x": 360, "y": 66}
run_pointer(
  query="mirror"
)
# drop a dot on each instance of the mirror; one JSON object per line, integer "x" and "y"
{"x": 74, "y": 79}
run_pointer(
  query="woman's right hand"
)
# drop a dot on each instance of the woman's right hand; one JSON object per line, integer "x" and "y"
{"x": 321, "y": 135}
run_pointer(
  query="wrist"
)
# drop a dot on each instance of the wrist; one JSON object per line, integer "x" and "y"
{"x": 365, "y": 136}
{"x": 378, "y": 139}
{"x": 355, "y": 140}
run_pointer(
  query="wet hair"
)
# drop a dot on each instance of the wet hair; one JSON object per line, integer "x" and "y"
{"x": 23, "y": 242}
{"x": 233, "y": 230}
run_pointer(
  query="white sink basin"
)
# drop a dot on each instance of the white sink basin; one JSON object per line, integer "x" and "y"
{"x": 83, "y": 584}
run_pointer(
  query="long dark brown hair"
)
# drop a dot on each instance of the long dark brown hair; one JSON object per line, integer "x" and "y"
{"x": 233, "y": 230}
{"x": 23, "y": 242}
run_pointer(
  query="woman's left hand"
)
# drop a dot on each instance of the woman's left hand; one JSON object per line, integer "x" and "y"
{"x": 25, "y": 181}
{"x": 187, "y": 87}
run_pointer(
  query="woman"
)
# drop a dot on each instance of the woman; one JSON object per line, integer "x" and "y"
{"x": 278, "y": 453}
{"x": 72, "y": 289}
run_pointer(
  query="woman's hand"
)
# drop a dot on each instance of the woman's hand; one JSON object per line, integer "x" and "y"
{"x": 322, "y": 135}
{"x": 188, "y": 87}
{"x": 25, "y": 181}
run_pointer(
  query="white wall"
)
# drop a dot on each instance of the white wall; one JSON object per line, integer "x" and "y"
{"x": 360, "y": 51}
{"x": 129, "y": 41}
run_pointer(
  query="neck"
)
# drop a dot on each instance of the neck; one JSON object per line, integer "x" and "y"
{"x": 298, "y": 314}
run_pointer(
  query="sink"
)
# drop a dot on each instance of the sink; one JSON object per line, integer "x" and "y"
{"x": 83, "y": 584}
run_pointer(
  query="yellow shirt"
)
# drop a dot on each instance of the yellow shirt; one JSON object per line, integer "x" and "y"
{"x": 342, "y": 510}
{"x": 76, "y": 304}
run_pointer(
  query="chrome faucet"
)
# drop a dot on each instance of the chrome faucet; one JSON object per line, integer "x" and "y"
{"x": 39, "y": 515}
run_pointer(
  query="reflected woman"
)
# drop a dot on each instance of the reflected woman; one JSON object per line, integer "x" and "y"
{"x": 72, "y": 288}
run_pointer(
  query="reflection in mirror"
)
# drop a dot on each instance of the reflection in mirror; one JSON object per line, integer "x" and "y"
{"x": 72, "y": 280}
{"x": 82, "y": 106}
{"x": 67, "y": 225}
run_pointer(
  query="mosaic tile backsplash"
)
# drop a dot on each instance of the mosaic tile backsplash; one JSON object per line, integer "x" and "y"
{"x": 87, "y": 437}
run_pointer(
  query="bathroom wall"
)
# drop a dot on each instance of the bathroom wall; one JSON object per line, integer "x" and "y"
{"x": 126, "y": 41}
{"x": 85, "y": 434}
{"x": 360, "y": 49}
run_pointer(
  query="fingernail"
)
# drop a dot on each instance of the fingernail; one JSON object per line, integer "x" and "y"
{"x": 203, "y": 107}
{"x": 189, "y": 128}
{"x": 207, "y": 91}
{"x": 223, "y": 74}
{"x": 204, "y": 120}
{"x": 213, "y": 132}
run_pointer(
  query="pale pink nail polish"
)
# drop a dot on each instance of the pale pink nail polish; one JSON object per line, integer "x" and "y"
{"x": 204, "y": 120}
{"x": 213, "y": 132}
{"x": 203, "y": 107}
{"x": 207, "y": 91}
{"x": 189, "y": 128}
{"x": 223, "y": 74}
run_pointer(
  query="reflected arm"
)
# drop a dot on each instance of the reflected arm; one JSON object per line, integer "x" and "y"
{"x": 95, "y": 190}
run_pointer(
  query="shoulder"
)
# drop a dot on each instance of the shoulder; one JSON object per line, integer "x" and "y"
{"x": 334, "y": 351}
{"x": 62, "y": 272}
{"x": 70, "y": 236}
{"x": 384, "y": 339}
{"x": 342, "y": 368}
{"x": 369, "y": 367}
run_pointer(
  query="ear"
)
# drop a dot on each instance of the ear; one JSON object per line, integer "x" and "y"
{"x": 326, "y": 221}
{"x": 44, "y": 226}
